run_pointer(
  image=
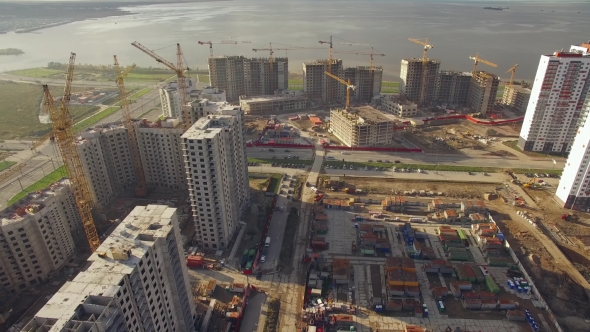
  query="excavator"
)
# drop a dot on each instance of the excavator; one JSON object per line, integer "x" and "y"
{"x": 530, "y": 184}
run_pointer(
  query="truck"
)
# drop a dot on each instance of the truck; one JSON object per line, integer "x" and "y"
{"x": 267, "y": 242}
{"x": 237, "y": 288}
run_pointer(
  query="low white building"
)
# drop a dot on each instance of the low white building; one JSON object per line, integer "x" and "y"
{"x": 403, "y": 109}
{"x": 264, "y": 105}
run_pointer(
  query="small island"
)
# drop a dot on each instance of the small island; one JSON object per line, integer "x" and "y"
{"x": 11, "y": 51}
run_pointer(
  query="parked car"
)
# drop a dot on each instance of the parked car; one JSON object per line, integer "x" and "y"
{"x": 262, "y": 259}
{"x": 397, "y": 161}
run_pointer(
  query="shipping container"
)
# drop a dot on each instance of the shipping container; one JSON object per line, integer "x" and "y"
{"x": 470, "y": 274}
{"x": 471, "y": 304}
{"x": 492, "y": 286}
{"x": 478, "y": 274}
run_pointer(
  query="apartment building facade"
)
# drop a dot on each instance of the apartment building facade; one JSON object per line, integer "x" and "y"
{"x": 418, "y": 84}
{"x": 361, "y": 126}
{"x": 399, "y": 106}
{"x": 452, "y": 87}
{"x": 37, "y": 237}
{"x": 238, "y": 75}
{"x": 482, "y": 92}
{"x": 556, "y": 106}
{"x": 318, "y": 86}
{"x": 516, "y": 97}
{"x": 266, "y": 105}
{"x": 135, "y": 281}
{"x": 367, "y": 82}
{"x": 216, "y": 167}
{"x": 170, "y": 98}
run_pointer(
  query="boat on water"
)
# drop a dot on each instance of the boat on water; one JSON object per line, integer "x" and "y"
{"x": 495, "y": 8}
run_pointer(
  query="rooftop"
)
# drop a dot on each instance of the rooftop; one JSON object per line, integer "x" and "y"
{"x": 115, "y": 258}
{"x": 420, "y": 60}
{"x": 255, "y": 99}
{"x": 455, "y": 73}
{"x": 320, "y": 62}
{"x": 31, "y": 203}
{"x": 366, "y": 114}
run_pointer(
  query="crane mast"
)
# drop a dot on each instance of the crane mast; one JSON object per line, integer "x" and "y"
{"x": 512, "y": 71}
{"x": 328, "y": 82}
{"x": 63, "y": 133}
{"x": 476, "y": 60}
{"x": 141, "y": 189}
{"x": 348, "y": 86}
{"x": 181, "y": 79}
{"x": 271, "y": 65}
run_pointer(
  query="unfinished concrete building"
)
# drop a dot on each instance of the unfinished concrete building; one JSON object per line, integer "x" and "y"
{"x": 238, "y": 75}
{"x": 399, "y": 106}
{"x": 318, "y": 86}
{"x": 361, "y": 126}
{"x": 135, "y": 281}
{"x": 452, "y": 87}
{"x": 266, "y": 105}
{"x": 37, "y": 237}
{"x": 482, "y": 92}
{"x": 411, "y": 74}
{"x": 214, "y": 151}
{"x": 516, "y": 97}
{"x": 367, "y": 82}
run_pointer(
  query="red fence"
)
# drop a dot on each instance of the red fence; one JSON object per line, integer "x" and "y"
{"x": 493, "y": 122}
{"x": 279, "y": 145}
{"x": 370, "y": 148}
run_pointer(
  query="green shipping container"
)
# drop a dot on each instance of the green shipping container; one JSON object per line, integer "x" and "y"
{"x": 492, "y": 286}
{"x": 478, "y": 274}
{"x": 496, "y": 262}
{"x": 455, "y": 256}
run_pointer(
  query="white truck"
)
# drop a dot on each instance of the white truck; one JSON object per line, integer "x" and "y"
{"x": 267, "y": 242}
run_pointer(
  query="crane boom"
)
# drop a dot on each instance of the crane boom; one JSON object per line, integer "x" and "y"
{"x": 181, "y": 79}
{"x": 348, "y": 86}
{"x": 476, "y": 60}
{"x": 513, "y": 70}
{"x": 364, "y": 53}
{"x": 64, "y": 135}
{"x": 141, "y": 188}
{"x": 270, "y": 64}
{"x": 422, "y": 100}
{"x": 234, "y": 42}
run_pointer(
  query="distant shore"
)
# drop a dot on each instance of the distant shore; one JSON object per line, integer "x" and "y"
{"x": 11, "y": 51}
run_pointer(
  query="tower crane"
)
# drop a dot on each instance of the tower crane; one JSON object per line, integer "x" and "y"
{"x": 476, "y": 60}
{"x": 348, "y": 86}
{"x": 364, "y": 53}
{"x": 427, "y": 46}
{"x": 63, "y": 133}
{"x": 141, "y": 188}
{"x": 221, "y": 42}
{"x": 513, "y": 70}
{"x": 271, "y": 61}
{"x": 328, "y": 83}
{"x": 181, "y": 78}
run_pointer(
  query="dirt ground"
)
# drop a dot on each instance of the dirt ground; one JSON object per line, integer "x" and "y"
{"x": 254, "y": 128}
{"x": 564, "y": 296}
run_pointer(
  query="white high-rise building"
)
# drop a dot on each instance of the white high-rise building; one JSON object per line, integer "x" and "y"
{"x": 170, "y": 99}
{"x": 135, "y": 281}
{"x": 574, "y": 187}
{"x": 555, "y": 110}
{"x": 216, "y": 168}
{"x": 37, "y": 237}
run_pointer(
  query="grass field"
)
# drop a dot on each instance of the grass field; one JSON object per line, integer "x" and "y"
{"x": 37, "y": 72}
{"x": 6, "y": 164}
{"x": 389, "y": 87}
{"x": 19, "y": 110}
{"x": 95, "y": 118}
{"x": 442, "y": 167}
{"x": 41, "y": 184}
{"x": 140, "y": 94}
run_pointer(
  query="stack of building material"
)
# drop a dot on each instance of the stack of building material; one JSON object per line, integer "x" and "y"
{"x": 477, "y": 218}
{"x": 321, "y": 217}
{"x": 414, "y": 250}
{"x": 442, "y": 229}
{"x": 499, "y": 261}
{"x": 365, "y": 229}
{"x": 410, "y": 304}
{"x": 321, "y": 227}
{"x": 395, "y": 290}
{"x": 410, "y": 279}
{"x": 455, "y": 290}
{"x": 506, "y": 304}
{"x": 439, "y": 293}
{"x": 487, "y": 296}
{"x": 428, "y": 253}
{"x": 492, "y": 286}
{"x": 318, "y": 243}
{"x": 412, "y": 291}
{"x": 458, "y": 254}
{"x": 395, "y": 278}
{"x": 487, "y": 304}
{"x": 429, "y": 268}
{"x": 412, "y": 328}
{"x": 470, "y": 273}
{"x": 386, "y": 204}
{"x": 493, "y": 252}
{"x": 464, "y": 285}
{"x": 369, "y": 239}
{"x": 341, "y": 271}
{"x": 393, "y": 264}
{"x": 473, "y": 304}
{"x": 318, "y": 209}
{"x": 418, "y": 312}
{"x": 394, "y": 305}
{"x": 478, "y": 274}
{"x": 382, "y": 244}
{"x": 408, "y": 265}
{"x": 516, "y": 315}
{"x": 491, "y": 243}
{"x": 460, "y": 272}
{"x": 378, "y": 229}
{"x": 447, "y": 269}
{"x": 449, "y": 245}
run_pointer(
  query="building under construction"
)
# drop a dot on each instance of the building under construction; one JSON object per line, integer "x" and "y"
{"x": 367, "y": 82}
{"x": 452, "y": 87}
{"x": 516, "y": 97}
{"x": 482, "y": 92}
{"x": 414, "y": 76}
{"x": 361, "y": 126}
{"x": 318, "y": 86}
{"x": 238, "y": 75}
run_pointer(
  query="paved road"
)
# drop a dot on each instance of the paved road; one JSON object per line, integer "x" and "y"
{"x": 263, "y": 153}
{"x": 42, "y": 80}
{"x": 252, "y": 314}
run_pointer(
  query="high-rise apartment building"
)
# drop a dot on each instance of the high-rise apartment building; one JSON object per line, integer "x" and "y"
{"x": 37, "y": 237}
{"x": 516, "y": 97}
{"x": 135, "y": 281}
{"x": 216, "y": 168}
{"x": 452, "y": 87}
{"x": 238, "y": 75}
{"x": 482, "y": 92}
{"x": 320, "y": 87}
{"x": 419, "y": 84}
{"x": 367, "y": 82}
{"x": 170, "y": 99}
{"x": 556, "y": 107}
{"x": 361, "y": 126}
{"x": 573, "y": 191}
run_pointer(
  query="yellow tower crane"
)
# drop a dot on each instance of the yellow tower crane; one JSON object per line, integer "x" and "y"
{"x": 371, "y": 54}
{"x": 141, "y": 189}
{"x": 422, "y": 99}
{"x": 476, "y": 60}
{"x": 271, "y": 61}
{"x": 328, "y": 82}
{"x": 64, "y": 135}
{"x": 348, "y": 86}
{"x": 179, "y": 70}
{"x": 512, "y": 71}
